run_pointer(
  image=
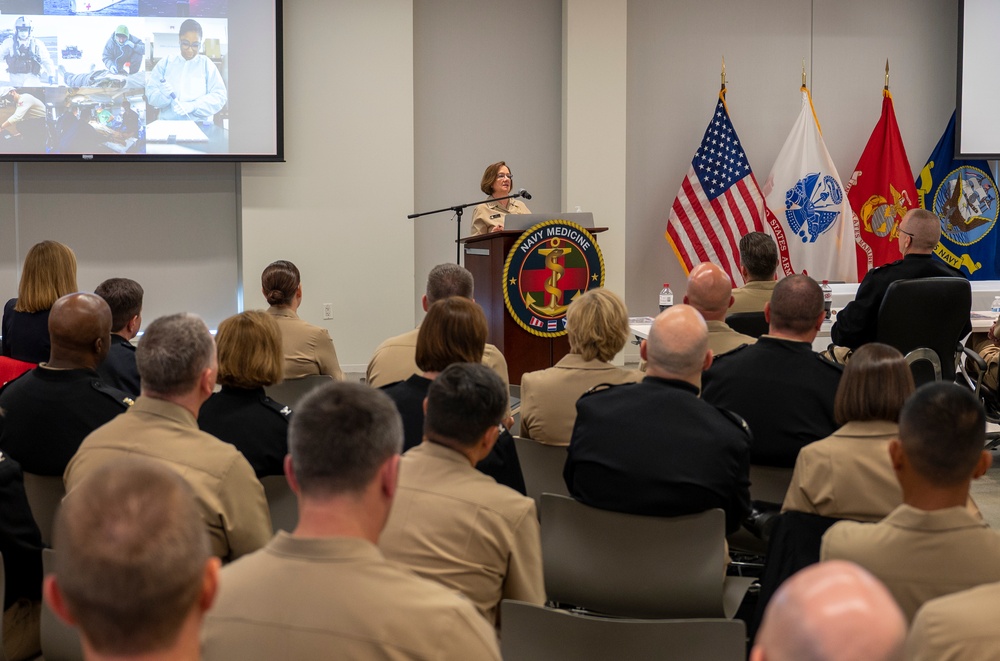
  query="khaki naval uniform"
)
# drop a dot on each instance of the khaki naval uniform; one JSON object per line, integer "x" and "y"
{"x": 337, "y": 598}
{"x": 752, "y": 296}
{"x": 847, "y": 475}
{"x": 548, "y": 397}
{"x": 396, "y": 360}
{"x": 957, "y": 627}
{"x": 230, "y": 498}
{"x": 489, "y": 215}
{"x": 307, "y": 349}
{"x": 454, "y": 525}
{"x": 723, "y": 339}
{"x": 919, "y": 555}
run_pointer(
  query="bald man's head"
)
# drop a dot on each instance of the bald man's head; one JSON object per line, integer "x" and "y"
{"x": 677, "y": 346}
{"x": 832, "y": 611}
{"x": 79, "y": 331}
{"x": 709, "y": 291}
{"x": 919, "y": 232}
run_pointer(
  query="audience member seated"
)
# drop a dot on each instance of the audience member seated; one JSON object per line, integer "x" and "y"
{"x": 988, "y": 347}
{"x": 597, "y": 328}
{"x": 783, "y": 389}
{"x": 454, "y": 331}
{"x": 835, "y": 611}
{"x": 759, "y": 268}
{"x": 931, "y": 545}
{"x": 394, "y": 359}
{"x": 709, "y": 292}
{"x": 325, "y": 591}
{"x": 919, "y": 234}
{"x": 307, "y": 349}
{"x": 654, "y": 447}
{"x": 21, "y": 546}
{"x": 849, "y": 475}
{"x": 134, "y": 571}
{"x": 49, "y": 272}
{"x": 177, "y": 363}
{"x": 124, "y": 296}
{"x": 451, "y": 523}
{"x": 241, "y": 414}
{"x": 960, "y": 626}
{"x": 51, "y": 409}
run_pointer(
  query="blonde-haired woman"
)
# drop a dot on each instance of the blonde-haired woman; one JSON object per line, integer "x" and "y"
{"x": 48, "y": 273}
{"x": 249, "y": 346}
{"x": 597, "y": 326}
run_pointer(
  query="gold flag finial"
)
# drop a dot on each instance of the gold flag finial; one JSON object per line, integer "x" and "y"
{"x": 803, "y": 72}
{"x": 887, "y": 74}
{"x": 723, "y": 72}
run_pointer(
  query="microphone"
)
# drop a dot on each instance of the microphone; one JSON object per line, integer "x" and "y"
{"x": 525, "y": 194}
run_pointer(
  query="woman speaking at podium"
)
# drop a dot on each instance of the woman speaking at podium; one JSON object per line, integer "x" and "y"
{"x": 497, "y": 182}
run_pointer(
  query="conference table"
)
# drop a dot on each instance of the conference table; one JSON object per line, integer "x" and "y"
{"x": 981, "y": 322}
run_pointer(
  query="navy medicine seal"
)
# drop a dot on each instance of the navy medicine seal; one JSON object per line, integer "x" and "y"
{"x": 550, "y": 265}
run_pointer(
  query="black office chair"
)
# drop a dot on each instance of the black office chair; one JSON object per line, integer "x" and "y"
{"x": 748, "y": 323}
{"x": 926, "y": 313}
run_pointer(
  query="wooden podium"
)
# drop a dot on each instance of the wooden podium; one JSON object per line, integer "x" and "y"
{"x": 485, "y": 256}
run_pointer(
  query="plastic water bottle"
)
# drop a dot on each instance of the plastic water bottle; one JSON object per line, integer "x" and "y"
{"x": 996, "y": 305}
{"x": 828, "y": 297}
{"x": 667, "y": 297}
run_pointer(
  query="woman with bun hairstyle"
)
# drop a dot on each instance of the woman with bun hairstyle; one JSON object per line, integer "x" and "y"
{"x": 307, "y": 349}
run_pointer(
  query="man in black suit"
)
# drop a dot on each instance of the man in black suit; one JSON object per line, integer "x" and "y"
{"x": 124, "y": 297}
{"x": 654, "y": 447}
{"x": 781, "y": 386}
{"x": 49, "y": 410}
{"x": 919, "y": 233}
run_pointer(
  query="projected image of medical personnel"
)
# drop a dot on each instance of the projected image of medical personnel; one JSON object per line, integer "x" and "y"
{"x": 28, "y": 60}
{"x": 186, "y": 86}
{"x": 123, "y": 52}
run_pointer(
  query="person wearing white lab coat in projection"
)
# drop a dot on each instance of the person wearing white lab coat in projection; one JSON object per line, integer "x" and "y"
{"x": 187, "y": 86}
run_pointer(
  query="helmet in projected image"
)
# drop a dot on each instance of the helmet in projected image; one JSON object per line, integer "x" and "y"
{"x": 122, "y": 29}
{"x": 22, "y": 24}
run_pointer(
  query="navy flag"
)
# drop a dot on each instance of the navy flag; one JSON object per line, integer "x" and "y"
{"x": 963, "y": 194}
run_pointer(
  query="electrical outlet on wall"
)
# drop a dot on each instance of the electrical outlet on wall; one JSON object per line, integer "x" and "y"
{"x": 328, "y": 311}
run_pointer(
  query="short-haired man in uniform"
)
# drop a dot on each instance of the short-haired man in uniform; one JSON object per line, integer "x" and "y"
{"x": 931, "y": 545}
{"x": 709, "y": 292}
{"x": 134, "y": 571}
{"x": 919, "y": 233}
{"x": 28, "y": 120}
{"x": 51, "y": 409}
{"x": 780, "y": 386}
{"x": 654, "y": 447}
{"x": 759, "y": 268}
{"x": 124, "y": 297}
{"x": 395, "y": 359}
{"x": 325, "y": 591}
{"x": 177, "y": 363}
{"x": 451, "y": 523}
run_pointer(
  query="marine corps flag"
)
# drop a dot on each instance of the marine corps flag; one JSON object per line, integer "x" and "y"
{"x": 880, "y": 192}
{"x": 963, "y": 194}
{"x": 719, "y": 200}
{"x": 805, "y": 192}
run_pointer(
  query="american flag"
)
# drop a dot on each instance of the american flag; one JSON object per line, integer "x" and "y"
{"x": 719, "y": 200}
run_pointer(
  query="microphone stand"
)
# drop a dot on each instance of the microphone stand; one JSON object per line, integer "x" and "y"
{"x": 458, "y": 217}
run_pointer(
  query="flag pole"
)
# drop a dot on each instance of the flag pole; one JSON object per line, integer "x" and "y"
{"x": 723, "y": 73}
{"x": 886, "y": 88}
{"x": 803, "y": 72}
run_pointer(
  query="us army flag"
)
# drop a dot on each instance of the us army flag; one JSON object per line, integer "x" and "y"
{"x": 963, "y": 194}
{"x": 805, "y": 193}
{"x": 880, "y": 192}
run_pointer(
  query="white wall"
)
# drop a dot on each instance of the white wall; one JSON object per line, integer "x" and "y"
{"x": 337, "y": 207}
{"x": 487, "y": 88}
{"x": 594, "y": 124}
